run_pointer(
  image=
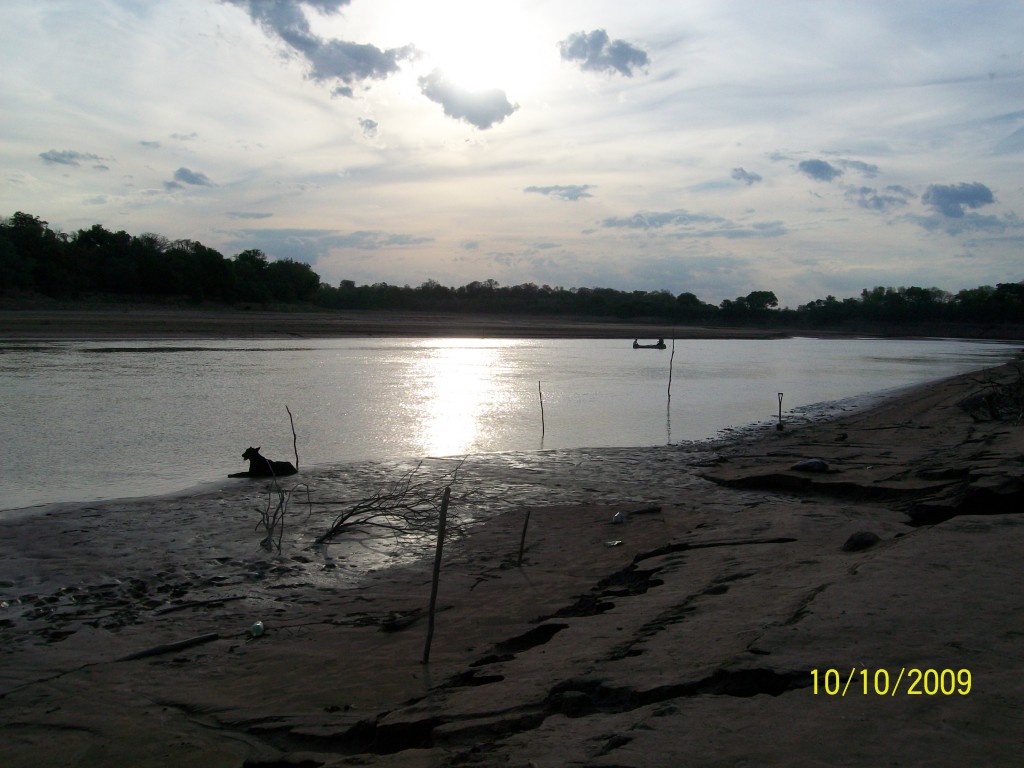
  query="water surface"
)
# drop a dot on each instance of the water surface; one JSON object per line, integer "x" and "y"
{"x": 90, "y": 420}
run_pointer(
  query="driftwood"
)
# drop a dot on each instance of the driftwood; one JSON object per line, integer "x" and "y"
{"x": 181, "y": 645}
{"x": 409, "y": 505}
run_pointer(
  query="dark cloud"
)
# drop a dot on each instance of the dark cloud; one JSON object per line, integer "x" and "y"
{"x": 150, "y": 144}
{"x": 347, "y": 62}
{"x": 187, "y": 176}
{"x": 480, "y": 108}
{"x": 873, "y": 200}
{"x": 970, "y": 223}
{"x": 247, "y": 215}
{"x": 597, "y": 53}
{"x": 369, "y": 127}
{"x": 951, "y": 199}
{"x": 868, "y": 169}
{"x": 572, "y": 192}
{"x": 683, "y": 224}
{"x": 819, "y": 170}
{"x": 185, "y": 136}
{"x": 67, "y": 157}
{"x": 747, "y": 177}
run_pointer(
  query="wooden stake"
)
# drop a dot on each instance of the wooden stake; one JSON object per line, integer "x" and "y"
{"x": 522, "y": 540}
{"x": 437, "y": 572}
{"x": 670, "y": 360}
{"x": 295, "y": 440}
{"x": 539, "y": 392}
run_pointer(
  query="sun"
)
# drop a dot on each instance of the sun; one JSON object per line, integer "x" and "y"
{"x": 481, "y": 46}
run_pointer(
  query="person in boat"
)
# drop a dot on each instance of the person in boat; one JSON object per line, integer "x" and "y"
{"x": 659, "y": 345}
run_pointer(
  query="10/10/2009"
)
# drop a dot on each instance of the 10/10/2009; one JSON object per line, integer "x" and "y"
{"x": 911, "y": 681}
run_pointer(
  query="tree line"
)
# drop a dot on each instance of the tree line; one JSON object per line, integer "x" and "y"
{"x": 97, "y": 262}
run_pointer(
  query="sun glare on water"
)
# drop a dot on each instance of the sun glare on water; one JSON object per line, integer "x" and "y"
{"x": 459, "y": 390}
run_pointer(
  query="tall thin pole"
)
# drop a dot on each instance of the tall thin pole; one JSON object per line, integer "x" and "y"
{"x": 541, "y": 394}
{"x": 437, "y": 571}
{"x": 295, "y": 439}
{"x": 670, "y": 361}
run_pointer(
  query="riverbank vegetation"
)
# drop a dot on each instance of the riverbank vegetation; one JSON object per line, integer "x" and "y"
{"x": 97, "y": 263}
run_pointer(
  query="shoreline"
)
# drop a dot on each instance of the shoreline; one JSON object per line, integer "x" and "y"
{"x": 153, "y": 323}
{"x": 691, "y": 639}
{"x": 138, "y": 322}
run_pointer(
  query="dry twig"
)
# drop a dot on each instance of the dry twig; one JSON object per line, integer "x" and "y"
{"x": 409, "y": 505}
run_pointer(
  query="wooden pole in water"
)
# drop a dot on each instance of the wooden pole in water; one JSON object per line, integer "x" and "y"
{"x": 541, "y": 394}
{"x": 779, "y": 425}
{"x": 670, "y": 361}
{"x": 522, "y": 540}
{"x": 437, "y": 571}
{"x": 295, "y": 439}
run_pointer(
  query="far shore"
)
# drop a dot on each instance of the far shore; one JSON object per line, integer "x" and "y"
{"x": 66, "y": 323}
{"x": 175, "y": 323}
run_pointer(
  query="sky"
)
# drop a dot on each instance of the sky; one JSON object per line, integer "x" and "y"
{"x": 708, "y": 146}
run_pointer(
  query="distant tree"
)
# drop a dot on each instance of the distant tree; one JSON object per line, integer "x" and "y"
{"x": 759, "y": 301}
{"x": 250, "y": 273}
{"x": 292, "y": 281}
{"x": 41, "y": 250}
{"x": 15, "y": 271}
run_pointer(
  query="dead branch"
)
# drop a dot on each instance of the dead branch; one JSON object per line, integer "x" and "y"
{"x": 411, "y": 504}
{"x": 272, "y": 517}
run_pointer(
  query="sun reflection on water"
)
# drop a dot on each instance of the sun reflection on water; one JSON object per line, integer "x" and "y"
{"x": 461, "y": 388}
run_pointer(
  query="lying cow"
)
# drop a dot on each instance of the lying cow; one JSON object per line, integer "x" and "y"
{"x": 260, "y": 466}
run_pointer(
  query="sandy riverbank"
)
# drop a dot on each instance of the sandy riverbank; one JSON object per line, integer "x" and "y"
{"x": 155, "y": 323}
{"x": 691, "y": 641}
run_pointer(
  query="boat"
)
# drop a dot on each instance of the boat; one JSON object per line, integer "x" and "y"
{"x": 659, "y": 345}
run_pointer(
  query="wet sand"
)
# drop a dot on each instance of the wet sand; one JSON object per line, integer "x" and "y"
{"x": 686, "y": 634}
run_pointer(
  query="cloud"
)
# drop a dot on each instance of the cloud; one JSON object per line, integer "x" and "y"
{"x": 868, "y": 169}
{"x": 187, "y": 176}
{"x": 819, "y": 170}
{"x": 657, "y": 220}
{"x": 342, "y": 60}
{"x": 67, "y": 157}
{"x": 684, "y": 224}
{"x": 1012, "y": 143}
{"x": 747, "y": 177}
{"x": 150, "y": 144}
{"x": 959, "y": 225}
{"x": 893, "y": 196}
{"x": 950, "y": 200}
{"x": 309, "y": 245}
{"x": 185, "y": 136}
{"x": 480, "y": 108}
{"x": 572, "y": 192}
{"x": 246, "y": 215}
{"x": 597, "y": 53}
{"x": 369, "y": 127}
